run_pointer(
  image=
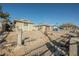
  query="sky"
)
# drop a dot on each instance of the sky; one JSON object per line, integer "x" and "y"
{"x": 44, "y": 13}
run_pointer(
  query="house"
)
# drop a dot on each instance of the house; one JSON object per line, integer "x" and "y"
{"x": 55, "y": 28}
{"x": 69, "y": 27}
{"x": 44, "y": 28}
{"x": 23, "y": 24}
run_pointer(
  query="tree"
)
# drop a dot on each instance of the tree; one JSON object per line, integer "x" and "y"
{"x": 2, "y": 14}
{"x": 5, "y": 20}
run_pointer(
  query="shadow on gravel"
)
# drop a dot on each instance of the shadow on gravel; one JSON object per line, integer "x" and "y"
{"x": 59, "y": 45}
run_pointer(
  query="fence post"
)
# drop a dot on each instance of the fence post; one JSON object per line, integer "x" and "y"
{"x": 73, "y": 47}
{"x": 19, "y": 38}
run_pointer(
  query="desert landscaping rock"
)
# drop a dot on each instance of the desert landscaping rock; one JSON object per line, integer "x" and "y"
{"x": 18, "y": 51}
{"x": 35, "y": 43}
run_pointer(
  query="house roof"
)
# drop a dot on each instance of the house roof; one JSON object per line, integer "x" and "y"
{"x": 24, "y": 21}
{"x": 43, "y": 25}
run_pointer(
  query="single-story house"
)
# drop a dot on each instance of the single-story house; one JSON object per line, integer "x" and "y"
{"x": 44, "y": 28}
{"x": 25, "y": 25}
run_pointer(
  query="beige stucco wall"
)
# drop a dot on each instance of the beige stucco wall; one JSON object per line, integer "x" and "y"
{"x": 42, "y": 28}
{"x": 19, "y": 25}
{"x": 51, "y": 28}
{"x": 36, "y": 27}
{"x": 30, "y": 27}
{"x": 46, "y": 29}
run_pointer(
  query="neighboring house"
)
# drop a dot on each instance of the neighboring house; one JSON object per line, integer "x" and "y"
{"x": 44, "y": 28}
{"x": 55, "y": 28}
{"x": 69, "y": 26}
{"x": 25, "y": 25}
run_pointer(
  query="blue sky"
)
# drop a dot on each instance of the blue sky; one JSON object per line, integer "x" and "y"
{"x": 44, "y": 13}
